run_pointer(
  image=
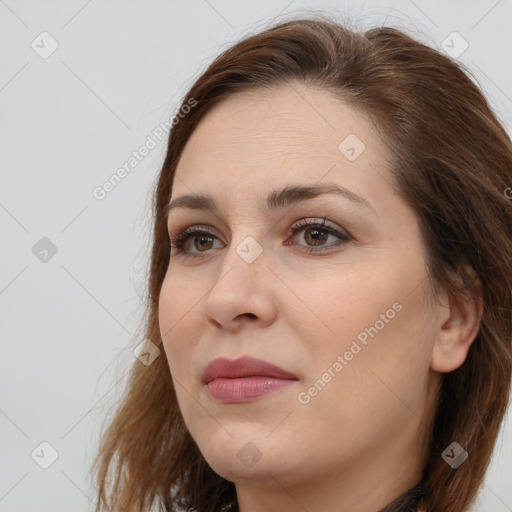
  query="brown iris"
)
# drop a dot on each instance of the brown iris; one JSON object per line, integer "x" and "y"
{"x": 318, "y": 236}
{"x": 203, "y": 238}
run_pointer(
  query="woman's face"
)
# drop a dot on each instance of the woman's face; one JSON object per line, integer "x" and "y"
{"x": 342, "y": 308}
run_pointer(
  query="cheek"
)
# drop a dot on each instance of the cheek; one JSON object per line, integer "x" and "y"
{"x": 381, "y": 384}
{"x": 377, "y": 322}
{"x": 180, "y": 325}
{"x": 343, "y": 305}
{"x": 178, "y": 299}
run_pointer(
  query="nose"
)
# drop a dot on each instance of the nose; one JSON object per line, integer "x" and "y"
{"x": 242, "y": 294}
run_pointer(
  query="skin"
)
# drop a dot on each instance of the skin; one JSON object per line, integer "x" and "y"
{"x": 366, "y": 428}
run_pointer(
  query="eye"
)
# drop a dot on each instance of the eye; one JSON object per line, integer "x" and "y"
{"x": 202, "y": 237}
{"x": 316, "y": 233}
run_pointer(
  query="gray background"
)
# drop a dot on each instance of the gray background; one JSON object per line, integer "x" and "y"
{"x": 68, "y": 121}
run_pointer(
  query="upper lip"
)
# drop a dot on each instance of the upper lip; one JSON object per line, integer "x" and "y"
{"x": 244, "y": 366}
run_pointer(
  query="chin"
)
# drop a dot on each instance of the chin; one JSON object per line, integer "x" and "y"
{"x": 243, "y": 456}
{"x": 236, "y": 472}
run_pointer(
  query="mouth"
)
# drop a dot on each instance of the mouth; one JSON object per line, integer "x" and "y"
{"x": 244, "y": 379}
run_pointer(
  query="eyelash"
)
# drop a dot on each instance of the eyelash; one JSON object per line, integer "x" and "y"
{"x": 179, "y": 240}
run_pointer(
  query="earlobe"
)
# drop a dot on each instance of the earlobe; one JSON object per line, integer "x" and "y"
{"x": 458, "y": 329}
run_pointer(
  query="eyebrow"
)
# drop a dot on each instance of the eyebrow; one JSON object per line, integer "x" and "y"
{"x": 277, "y": 199}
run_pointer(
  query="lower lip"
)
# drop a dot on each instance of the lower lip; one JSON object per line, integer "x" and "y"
{"x": 245, "y": 389}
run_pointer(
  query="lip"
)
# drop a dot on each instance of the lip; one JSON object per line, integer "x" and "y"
{"x": 244, "y": 379}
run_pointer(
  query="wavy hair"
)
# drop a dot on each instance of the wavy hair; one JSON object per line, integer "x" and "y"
{"x": 451, "y": 162}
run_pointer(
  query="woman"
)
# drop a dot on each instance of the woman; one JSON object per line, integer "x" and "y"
{"x": 330, "y": 285}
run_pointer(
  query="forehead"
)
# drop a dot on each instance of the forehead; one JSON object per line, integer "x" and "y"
{"x": 268, "y": 137}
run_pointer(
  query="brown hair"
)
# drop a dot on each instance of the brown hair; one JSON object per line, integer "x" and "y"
{"x": 452, "y": 162}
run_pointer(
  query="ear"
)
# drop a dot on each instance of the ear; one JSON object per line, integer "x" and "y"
{"x": 458, "y": 327}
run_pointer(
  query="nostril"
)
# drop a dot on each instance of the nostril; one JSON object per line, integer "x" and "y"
{"x": 250, "y": 315}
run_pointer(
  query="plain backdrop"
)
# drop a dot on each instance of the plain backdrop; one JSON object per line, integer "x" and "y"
{"x": 82, "y": 86}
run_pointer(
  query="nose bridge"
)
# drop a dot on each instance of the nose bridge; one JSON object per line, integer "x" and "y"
{"x": 250, "y": 250}
{"x": 247, "y": 233}
{"x": 245, "y": 257}
{"x": 240, "y": 289}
